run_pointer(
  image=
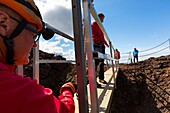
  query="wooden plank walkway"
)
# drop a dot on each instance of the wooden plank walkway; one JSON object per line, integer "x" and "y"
{"x": 104, "y": 94}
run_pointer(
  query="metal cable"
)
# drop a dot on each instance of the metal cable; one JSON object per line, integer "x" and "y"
{"x": 124, "y": 57}
{"x": 154, "y": 52}
{"x": 150, "y": 48}
{"x": 155, "y": 46}
{"x": 127, "y": 58}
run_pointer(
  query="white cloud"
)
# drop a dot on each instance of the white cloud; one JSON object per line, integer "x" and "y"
{"x": 65, "y": 45}
{"x": 67, "y": 40}
{"x": 58, "y": 37}
{"x": 69, "y": 55}
{"x": 57, "y": 48}
{"x": 57, "y": 13}
{"x": 50, "y": 47}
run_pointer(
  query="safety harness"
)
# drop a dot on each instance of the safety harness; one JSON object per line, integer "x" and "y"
{"x": 9, "y": 42}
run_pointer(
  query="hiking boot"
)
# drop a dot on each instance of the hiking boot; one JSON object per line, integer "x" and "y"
{"x": 99, "y": 85}
{"x": 103, "y": 81}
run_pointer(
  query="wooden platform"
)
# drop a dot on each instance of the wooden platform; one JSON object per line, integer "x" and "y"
{"x": 104, "y": 94}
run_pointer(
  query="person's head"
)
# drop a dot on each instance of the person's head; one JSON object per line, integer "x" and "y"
{"x": 20, "y": 21}
{"x": 101, "y": 17}
{"x": 134, "y": 48}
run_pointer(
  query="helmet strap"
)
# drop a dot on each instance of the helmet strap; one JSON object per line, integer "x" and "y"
{"x": 9, "y": 42}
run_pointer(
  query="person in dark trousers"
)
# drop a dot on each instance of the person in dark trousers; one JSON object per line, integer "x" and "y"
{"x": 99, "y": 45}
{"x": 135, "y": 55}
{"x": 116, "y": 57}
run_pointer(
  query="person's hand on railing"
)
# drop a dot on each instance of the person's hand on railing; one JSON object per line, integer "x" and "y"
{"x": 106, "y": 44}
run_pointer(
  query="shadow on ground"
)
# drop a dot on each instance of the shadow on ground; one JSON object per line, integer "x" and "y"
{"x": 132, "y": 96}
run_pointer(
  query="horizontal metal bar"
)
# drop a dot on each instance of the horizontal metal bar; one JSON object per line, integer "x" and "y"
{"x": 56, "y": 61}
{"x": 59, "y": 32}
{"x": 98, "y": 55}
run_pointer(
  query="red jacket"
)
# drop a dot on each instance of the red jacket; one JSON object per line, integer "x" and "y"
{"x": 116, "y": 55}
{"x": 97, "y": 34}
{"x": 23, "y": 95}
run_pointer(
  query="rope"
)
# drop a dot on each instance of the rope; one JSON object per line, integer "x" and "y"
{"x": 154, "y": 52}
{"x": 155, "y": 46}
{"x": 124, "y": 56}
{"x": 150, "y": 48}
{"x": 125, "y": 53}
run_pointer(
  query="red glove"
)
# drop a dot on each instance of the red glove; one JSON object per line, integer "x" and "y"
{"x": 68, "y": 85}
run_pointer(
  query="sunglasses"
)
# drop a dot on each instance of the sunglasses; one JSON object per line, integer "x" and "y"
{"x": 36, "y": 37}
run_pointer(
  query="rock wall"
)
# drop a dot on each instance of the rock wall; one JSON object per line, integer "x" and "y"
{"x": 52, "y": 75}
{"x": 143, "y": 87}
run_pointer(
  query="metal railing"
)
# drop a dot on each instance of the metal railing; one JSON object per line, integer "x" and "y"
{"x": 79, "y": 54}
{"x": 145, "y": 53}
{"x": 87, "y": 9}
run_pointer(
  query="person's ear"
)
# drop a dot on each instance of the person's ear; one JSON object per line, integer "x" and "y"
{"x": 4, "y": 26}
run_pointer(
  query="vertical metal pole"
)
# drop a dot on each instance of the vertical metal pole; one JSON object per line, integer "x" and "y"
{"x": 111, "y": 53}
{"x": 130, "y": 57}
{"x": 36, "y": 63}
{"x": 20, "y": 70}
{"x": 91, "y": 68}
{"x": 79, "y": 51}
{"x": 107, "y": 63}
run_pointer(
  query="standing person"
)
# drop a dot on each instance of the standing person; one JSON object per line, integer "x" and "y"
{"x": 135, "y": 55}
{"x": 20, "y": 22}
{"x": 99, "y": 45}
{"x": 116, "y": 57}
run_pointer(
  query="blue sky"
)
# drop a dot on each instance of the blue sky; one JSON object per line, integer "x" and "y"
{"x": 129, "y": 23}
{"x": 136, "y": 23}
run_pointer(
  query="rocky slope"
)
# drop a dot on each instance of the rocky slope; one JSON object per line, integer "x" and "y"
{"x": 52, "y": 75}
{"x": 143, "y": 87}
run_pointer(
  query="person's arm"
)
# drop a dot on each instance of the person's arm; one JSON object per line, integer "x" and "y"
{"x": 105, "y": 43}
{"x": 41, "y": 100}
{"x": 66, "y": 96}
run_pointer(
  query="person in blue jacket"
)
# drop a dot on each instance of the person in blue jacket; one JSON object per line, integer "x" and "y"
{"x": 135, "y": 55}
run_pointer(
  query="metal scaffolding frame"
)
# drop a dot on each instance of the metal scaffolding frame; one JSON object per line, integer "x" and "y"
{"x": 90, "y": 49}
{"x": 79, "y": 54}
{"x": 87, "y": 9}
